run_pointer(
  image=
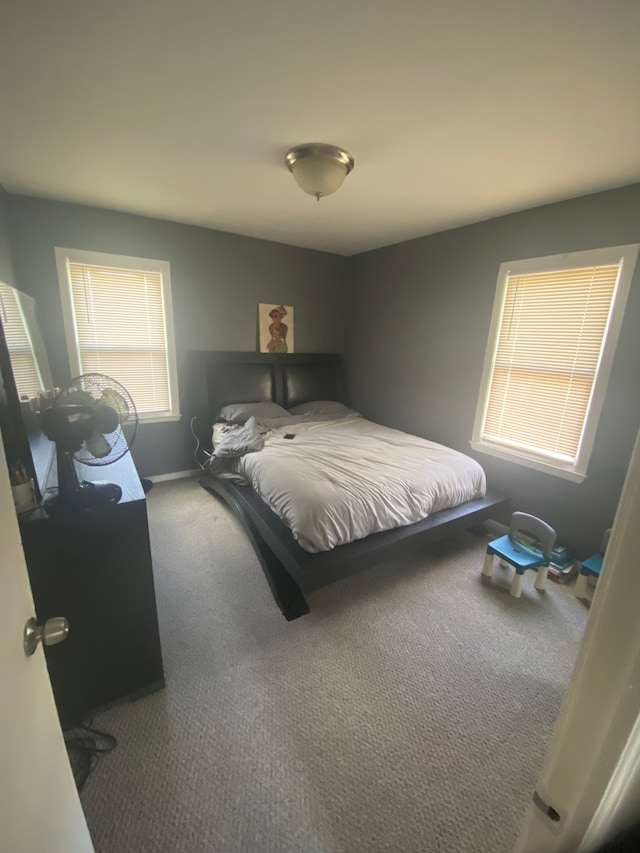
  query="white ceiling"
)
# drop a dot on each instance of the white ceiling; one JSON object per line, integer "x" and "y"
{"x": 455, "y": 110}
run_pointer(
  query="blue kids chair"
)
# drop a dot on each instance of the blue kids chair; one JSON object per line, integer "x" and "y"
{"x": 520, "y": 556}
{"x": 591, "y": 568}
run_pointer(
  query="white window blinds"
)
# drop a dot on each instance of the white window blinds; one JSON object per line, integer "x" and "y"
{"x": 23, "y": 363}
{"x": 119, "y": 322}
{"x": 550, "y": 341}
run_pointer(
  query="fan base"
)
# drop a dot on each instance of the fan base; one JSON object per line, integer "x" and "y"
{"x": 88, "y": 497}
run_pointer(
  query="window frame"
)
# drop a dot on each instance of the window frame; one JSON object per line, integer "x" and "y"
{"x": 576, "y": 472}
{"x": 105, "y": 259}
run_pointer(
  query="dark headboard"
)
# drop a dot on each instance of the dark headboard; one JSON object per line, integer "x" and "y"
{"x": 218, "y": 378}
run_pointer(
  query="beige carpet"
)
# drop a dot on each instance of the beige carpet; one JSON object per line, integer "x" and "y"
{"x": 409, "y": 711}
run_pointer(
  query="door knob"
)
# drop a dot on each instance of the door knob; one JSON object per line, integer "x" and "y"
{"x": 53, "y": 631}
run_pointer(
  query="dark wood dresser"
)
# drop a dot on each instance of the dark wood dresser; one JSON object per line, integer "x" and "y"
{"x": 96, "y": 570}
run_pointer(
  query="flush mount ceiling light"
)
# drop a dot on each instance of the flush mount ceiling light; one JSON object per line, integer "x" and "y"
{"x": 319, "y": 169}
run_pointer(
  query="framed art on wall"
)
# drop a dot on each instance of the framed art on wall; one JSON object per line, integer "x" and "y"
{"x": 275, "y": 327}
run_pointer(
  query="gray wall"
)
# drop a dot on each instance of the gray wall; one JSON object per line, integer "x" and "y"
{"x": 217, "y": 281}
{"x": 418, "y": 330}
{"x": 6, "y": 256}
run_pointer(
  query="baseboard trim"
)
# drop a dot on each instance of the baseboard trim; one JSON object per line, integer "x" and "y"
{"x": 176, "y": 475}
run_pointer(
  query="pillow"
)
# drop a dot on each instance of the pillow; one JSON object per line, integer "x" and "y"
{"x": 239, "y": 413}
{"x": 322, "y": 407}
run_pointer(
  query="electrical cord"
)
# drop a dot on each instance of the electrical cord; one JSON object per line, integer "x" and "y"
{"x": 195, "y": 452}
{"x": 84, "y": 747}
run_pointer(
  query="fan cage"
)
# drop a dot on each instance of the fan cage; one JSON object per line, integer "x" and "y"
{"x": 121, "y": 438}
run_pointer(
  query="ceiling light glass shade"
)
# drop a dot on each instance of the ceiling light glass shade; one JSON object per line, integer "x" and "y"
{"x": 318, "y": 175}
{"x": 319, "y": 169}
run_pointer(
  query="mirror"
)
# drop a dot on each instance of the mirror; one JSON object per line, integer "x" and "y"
{"x": 31, "y": 373}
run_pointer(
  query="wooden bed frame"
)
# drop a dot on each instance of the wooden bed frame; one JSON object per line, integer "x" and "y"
{"x": 219, "y": 378}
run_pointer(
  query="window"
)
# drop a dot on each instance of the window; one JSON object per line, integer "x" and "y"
{"x": 119, "y": 321}
{"x": 553, "y": 334}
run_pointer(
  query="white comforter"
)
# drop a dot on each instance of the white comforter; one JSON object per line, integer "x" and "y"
{"x": 343, "y": 479}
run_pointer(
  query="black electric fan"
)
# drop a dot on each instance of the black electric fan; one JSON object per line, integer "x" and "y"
{"x": 94, "y": 422}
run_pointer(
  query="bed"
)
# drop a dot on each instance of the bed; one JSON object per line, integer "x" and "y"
{"x": 221, "y": 378}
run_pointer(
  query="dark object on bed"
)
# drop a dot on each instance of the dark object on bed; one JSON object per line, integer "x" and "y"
{"x": 219, "y": 378}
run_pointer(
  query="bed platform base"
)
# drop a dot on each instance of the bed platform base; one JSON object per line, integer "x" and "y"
{"x": 291, "y": 571}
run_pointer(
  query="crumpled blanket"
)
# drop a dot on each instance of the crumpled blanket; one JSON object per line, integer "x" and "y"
{"x": 234, "y": 443}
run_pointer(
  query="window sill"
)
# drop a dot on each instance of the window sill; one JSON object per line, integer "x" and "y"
{"x": 158, "y": 419}
{"x": 529, "y": 462}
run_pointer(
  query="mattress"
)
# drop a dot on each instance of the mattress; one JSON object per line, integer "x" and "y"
{"x": 335, "y": 481}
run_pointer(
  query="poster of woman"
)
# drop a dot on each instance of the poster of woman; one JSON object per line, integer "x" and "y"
{"x": 275, "y": 327}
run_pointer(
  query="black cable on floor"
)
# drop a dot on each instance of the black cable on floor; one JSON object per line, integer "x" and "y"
{"x": 84, "y": 747}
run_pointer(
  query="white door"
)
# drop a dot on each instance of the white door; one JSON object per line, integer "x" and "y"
{"x": 591, "y": 774}
{"x": 39, "y": 805}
